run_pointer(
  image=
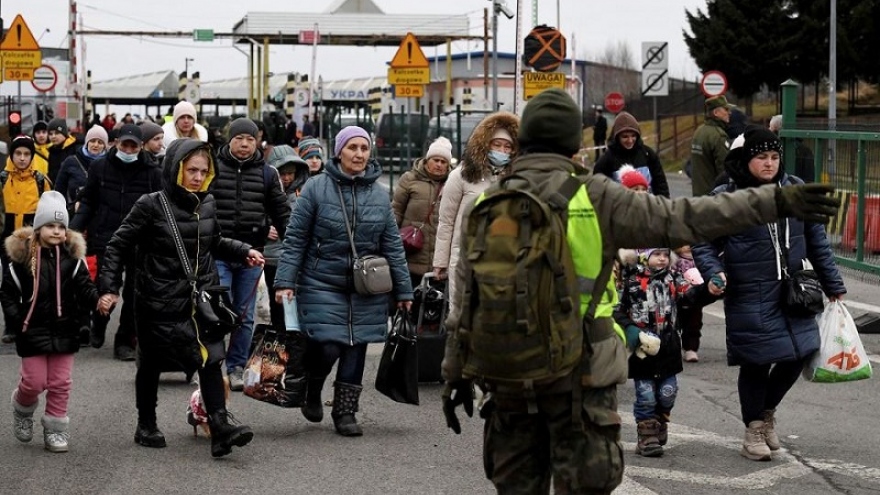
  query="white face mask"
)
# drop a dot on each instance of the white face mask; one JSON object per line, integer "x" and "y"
{"x": 499, "y": 159}
{"x": 126, "y": 157}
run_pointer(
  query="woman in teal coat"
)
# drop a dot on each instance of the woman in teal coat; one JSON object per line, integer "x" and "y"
{"x": 315, "y": 266}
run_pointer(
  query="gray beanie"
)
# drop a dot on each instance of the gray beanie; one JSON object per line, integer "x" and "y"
{"x": 242, "y": 125}
{"x": 150, "y": 130}
{"x": 52, "y": 207}
{"x": 59, "y": 125}
{"x": 551, "y": 121}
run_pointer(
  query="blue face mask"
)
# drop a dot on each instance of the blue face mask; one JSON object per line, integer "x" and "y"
{"x": 499, "y": 159}
{"x": 126, "y": 157}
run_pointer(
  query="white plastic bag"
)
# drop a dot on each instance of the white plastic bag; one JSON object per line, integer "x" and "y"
{"x": 841, "y": 357}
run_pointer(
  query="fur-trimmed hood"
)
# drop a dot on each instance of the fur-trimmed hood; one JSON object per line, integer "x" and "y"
{"x": 18, "y": 245}
{"x": 475, "y": 158}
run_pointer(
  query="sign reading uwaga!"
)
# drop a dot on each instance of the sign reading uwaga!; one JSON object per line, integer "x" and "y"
{"x": 535, "y": 82}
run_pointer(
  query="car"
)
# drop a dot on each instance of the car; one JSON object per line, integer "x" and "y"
{"x": 447, "y": 125}
{"x": 399, "y": 138}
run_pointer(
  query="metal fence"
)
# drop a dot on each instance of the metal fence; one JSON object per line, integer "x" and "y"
{"x": 849, "y": 158}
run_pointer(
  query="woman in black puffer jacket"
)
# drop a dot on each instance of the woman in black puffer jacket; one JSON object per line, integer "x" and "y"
{"x": 769, "y": 345}
{"x": 167, "y": 330}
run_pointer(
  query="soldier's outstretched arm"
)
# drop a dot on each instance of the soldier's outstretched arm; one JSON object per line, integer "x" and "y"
{"x": 633, "y": 220}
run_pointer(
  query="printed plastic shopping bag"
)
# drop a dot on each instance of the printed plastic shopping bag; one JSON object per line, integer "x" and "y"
{"x": 841, "y": 357}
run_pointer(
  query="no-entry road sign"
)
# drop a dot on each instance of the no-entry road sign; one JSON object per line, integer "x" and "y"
{"x": 45, "y": 78}
{"x": 714, "y": 83}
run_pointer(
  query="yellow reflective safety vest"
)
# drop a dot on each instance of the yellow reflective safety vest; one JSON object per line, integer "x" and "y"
{"x": 585, "y": 242}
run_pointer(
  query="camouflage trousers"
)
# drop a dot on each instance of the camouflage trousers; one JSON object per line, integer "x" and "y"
{"x": 523, "y": 452}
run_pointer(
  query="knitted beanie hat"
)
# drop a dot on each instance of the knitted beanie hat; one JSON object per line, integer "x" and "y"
{"x": 97, "y": 132}
{"x": 347, "y": 134}
{"x": 59, "y": 125}
{"x": 150, "y": 130}
{"x": 629, "y": 177}
{"x": 184, "y": 108}
{"x": 22, "y": 142}
{"x": 241, "y": 126}
{"x": 442, "y": 148}
{"x": 309, "y": 147}
{"x": 52, "y": 207}
{"x": 551, "y": 120}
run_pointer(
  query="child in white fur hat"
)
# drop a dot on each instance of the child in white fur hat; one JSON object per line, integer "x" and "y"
{"x": 45, "y": 294}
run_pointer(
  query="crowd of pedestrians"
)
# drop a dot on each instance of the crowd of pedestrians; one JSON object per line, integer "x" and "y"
{"x": 165, "y": 214}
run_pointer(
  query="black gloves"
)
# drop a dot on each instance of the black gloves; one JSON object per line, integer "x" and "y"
{"x": 807, "y": 202}
{"x": 456, "y": 394}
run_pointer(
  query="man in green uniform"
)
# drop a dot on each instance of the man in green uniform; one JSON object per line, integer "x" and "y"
{"x": 709, "y": 146}
{"x": 568, "y": 431}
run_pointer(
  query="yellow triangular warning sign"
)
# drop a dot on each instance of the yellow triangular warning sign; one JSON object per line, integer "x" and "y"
{"x": 409, "y": 54}
{"x": 19, "y": 37}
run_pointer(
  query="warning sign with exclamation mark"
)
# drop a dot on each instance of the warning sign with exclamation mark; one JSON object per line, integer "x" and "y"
{"x": 409, "y": 65}
{"x": 20, "y": 51}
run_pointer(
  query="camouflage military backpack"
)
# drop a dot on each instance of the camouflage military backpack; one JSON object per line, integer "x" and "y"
{"x": 520, "y": 322}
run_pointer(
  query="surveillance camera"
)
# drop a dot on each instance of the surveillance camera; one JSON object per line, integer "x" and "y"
{"x": 504, "y": 9}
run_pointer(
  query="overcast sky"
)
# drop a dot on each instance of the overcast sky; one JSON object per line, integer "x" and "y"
{"x": 593, "y": 23}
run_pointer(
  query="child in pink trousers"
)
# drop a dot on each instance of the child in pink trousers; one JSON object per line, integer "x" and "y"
{"x": 46, "y": 290}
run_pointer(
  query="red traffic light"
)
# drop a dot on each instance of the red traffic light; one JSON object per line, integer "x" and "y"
{"x": 15, "y": 117}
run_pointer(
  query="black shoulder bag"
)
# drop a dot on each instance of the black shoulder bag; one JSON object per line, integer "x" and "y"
{"x": 213, "y": 308}
{"x": 801, "y": 289}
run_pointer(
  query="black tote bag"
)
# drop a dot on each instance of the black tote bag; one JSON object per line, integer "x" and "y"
{"x": 398, "y": 376}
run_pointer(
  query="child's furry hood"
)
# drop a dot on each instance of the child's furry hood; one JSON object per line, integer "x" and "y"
{"x": 18, "y": 245}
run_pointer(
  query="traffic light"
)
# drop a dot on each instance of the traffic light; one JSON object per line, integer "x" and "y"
{"x": 14, "y": 123}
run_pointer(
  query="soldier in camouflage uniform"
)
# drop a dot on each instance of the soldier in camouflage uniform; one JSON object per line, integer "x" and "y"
{"x": 567, "y": 432}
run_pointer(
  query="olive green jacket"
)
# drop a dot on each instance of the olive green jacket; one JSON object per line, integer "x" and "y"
{"x": 708, "y": 150}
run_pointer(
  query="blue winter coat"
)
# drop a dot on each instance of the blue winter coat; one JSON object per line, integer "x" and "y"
{"x": 317, "y": 258}
{"x": 758, "y": 332}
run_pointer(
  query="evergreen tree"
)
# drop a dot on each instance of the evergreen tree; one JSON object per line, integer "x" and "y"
{"x": 741, "y": 38}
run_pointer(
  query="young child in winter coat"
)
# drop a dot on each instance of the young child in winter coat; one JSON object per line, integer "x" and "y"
{"x": 45, "y": 293}
{"x": 647, "y": 310}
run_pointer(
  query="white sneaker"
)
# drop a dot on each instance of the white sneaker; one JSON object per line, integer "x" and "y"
{"x": 691, "y": 357}
{"x": 754, "y": 444}
{"x": 236, "y": 379}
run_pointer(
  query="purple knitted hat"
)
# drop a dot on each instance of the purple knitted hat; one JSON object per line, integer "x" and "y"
{"x": 346, "y": 135}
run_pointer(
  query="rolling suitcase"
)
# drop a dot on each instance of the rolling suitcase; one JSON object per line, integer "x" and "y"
{"x": 430, "y": 306}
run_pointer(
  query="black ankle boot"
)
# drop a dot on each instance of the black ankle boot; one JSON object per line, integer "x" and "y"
{"x": 224, "y": 435}
{"x": 149, "y": 435}
{"x": 313, "y": 410}
{"x": 345, "y": 404}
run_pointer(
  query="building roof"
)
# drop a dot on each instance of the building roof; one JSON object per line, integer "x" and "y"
{"x": 162, "y": 84}
{"x": 350, "y": 26}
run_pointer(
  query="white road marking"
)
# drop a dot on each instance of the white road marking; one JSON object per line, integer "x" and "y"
{"x": 784, "y": 465}
{"x": 862, "y": 306}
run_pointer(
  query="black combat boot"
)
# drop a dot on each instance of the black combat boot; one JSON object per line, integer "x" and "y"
{"x": 345, "y": 404}
{"x": 224, "y": 435}
{"x": 148, "y": 434}
{"x": 313, "y": 410}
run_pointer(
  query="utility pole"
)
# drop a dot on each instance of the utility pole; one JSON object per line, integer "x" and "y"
{"x": 486, "y": 54}
{"x": 495, "y": 8}
{"x": 832, "y": 69}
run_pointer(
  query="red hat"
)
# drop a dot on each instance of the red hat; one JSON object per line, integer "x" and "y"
{"x": 630, "y": 177}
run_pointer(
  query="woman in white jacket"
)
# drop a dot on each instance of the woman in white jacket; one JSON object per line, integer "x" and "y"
{"x": 490, "y": 149}
{"x": 183, "y": 125}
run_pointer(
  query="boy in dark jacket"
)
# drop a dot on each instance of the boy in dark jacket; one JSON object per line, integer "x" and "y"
{"x": 45, "y": 316}
{"x": 647, "y": 311}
